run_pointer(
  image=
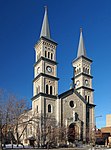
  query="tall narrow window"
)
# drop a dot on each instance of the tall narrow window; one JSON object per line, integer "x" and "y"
{"x": 37, "y": 108}
{"x": 51, "y": 56}
{"x": 49, "y": 108}
{"x": 48, "y": 54}
{"x": 46, "y": 89}
{"x": 83, "y": 69}
{"x": 88, "y": 71}
{"x": 51, "y": 90}
{"x": 45, "y": 53}
{"x": 86, "y": 97}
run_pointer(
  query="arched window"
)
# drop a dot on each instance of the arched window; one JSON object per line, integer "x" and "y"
{"x": 37, "y": 108}
{"x": 46, "y": 89}
{"x": 86, "y": 97}
{"x": 51, "y": 56}
{"x": 88, "y": 71}
{"x": 49, "y": 108}
{"x": 71, "y": 103}
{"x": 51, "y": 90}
{"x": 48, "y": 54}
{"x": 83, "y": 69}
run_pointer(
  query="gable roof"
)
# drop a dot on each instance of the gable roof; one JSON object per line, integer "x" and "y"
{"x": 70, "y": 92}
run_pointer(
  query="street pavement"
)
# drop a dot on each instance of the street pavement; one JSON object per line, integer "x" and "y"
{"x": 77, "y": 148}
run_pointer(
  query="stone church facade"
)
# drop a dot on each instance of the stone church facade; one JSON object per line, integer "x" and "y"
{"x": 75, "y": 107}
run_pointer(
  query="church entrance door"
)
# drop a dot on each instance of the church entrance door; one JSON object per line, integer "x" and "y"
{"x": 72, "y": 132}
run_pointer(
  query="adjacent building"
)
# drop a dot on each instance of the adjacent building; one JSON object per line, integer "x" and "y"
{"x": 108, "y": 120}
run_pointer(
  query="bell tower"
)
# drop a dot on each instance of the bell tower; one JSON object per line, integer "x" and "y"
{"x": 83, "y": 77}
{"x": 83, "y": 85}
{"x": 45, "y": 83}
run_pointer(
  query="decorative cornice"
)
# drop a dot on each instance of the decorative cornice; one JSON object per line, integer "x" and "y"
{"x": 45, "y": 59}
{"x": 91, "y": 105}
{"x": 43, "y": 94}
{"x": 46, "y": 75}
{"x": 84, "y": 87}
{"x": 82, "y": 73}
{"x": 82, "y": 57}
{"x": 48, "y": 40}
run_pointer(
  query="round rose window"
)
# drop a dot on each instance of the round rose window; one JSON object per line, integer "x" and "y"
{"x": 71, "y": 103}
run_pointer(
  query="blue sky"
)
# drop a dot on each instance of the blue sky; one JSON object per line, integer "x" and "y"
{"x": 20, "y": 25}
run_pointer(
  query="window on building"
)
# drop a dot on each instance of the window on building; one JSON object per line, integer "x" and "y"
{"x": 45, "y": 53}
{"x": 51, "y": 56}
{"x": 71, "y": 103}
{"x": 37, "y": 108}
{"x": 49, "y": 108}
{"x": 46, "y": 89}
{"x": 88, "y": 71}
{"x": 51, "y": 90}
{"x": 83, "y": 69}
{"x": 48, "y": 54}
{"x": 86, "y": 97}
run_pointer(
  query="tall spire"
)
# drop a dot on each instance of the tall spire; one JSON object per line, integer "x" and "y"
{"x": 45, "y": 31}
{"x": 81, "y": 47}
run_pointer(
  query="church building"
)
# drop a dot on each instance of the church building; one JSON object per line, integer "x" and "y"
{"x": 73, "y": 109}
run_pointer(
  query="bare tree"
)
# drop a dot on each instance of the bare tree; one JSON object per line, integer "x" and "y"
{"x": 11, "y": 109}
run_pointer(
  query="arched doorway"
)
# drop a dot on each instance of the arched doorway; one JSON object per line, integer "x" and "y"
{"x": 73, "y": 133}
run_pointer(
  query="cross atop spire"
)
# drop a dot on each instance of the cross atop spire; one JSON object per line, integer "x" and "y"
{"x": 81, "y": 47}
{"x": 45, "y": 31}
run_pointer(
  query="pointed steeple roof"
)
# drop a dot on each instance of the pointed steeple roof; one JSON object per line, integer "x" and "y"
{"x": 45, "y": 31}
{"x": 81, "y": 47}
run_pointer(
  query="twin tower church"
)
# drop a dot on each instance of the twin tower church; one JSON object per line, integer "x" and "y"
{"x": 75, "y": 107}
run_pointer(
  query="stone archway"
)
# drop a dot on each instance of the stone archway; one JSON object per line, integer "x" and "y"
{"x": 73, "y": 132}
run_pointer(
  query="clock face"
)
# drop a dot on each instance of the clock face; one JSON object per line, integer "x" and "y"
{"x": 49, "y": 69}
{"x": 38, "y": 70}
